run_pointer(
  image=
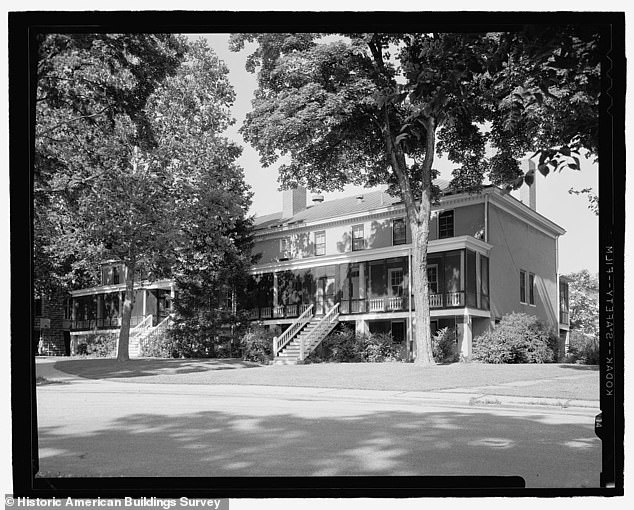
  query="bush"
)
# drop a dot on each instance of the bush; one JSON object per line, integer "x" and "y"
{"x": 257, "y": 344}
{"x": 444, "y": 346}
{"x": 518, "y": 338}
{"x": 160, "y": 347}
{"x": 101, "y": 345}
{"x": 343, "y": 345}
{"x": 583, "y": 349}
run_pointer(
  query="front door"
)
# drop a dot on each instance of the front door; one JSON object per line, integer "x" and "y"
{"x": 325, "y": 298}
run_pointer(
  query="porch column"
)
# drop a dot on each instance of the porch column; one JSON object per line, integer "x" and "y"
{"x": 361, "y": 280}
{"x": 144, "y": 302}
{"x": 275, "y": 291}
{"x": 466, "y": 342}
{"x": 362, "y": 327}
{"x": 172, "y": 296}
{"x": 99, "y": 308}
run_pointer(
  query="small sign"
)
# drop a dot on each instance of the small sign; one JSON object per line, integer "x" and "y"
{"x": 42, "y": 323}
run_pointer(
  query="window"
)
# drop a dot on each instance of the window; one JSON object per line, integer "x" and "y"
{"x": 531, "y": 289}
{"x": 445, "y": 225}
{"x": 115, "y": 275}
{"x": 432, "y": 278}
{"x": 38, "y": 307}
{"x": 399, "y": 235}
{"x": 320, "y": 243}
{"x": 285, "y": 247}
{"x": 396, "y": 282}
{"x": 522, "y": 286}
{"x": 358, "y": 242}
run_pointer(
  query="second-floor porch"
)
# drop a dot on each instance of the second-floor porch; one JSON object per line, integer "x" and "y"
{"x": 456, "y": 278}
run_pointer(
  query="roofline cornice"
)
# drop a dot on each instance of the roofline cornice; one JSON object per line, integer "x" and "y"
{"x": 395, "y": 210}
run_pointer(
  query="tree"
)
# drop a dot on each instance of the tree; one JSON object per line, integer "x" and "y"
{"x": 139, "y": 200}
{"x": 376, "y": 108}
{"x": 584, "y": 302}
{"x": 85, "y": 83}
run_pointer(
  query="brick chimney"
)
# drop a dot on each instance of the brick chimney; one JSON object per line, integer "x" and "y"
{"x": 293, "y": 201}
{"x": 528, "y": 194}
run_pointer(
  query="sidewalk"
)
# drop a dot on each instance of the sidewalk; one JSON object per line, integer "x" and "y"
{"x": 476, "y": 396}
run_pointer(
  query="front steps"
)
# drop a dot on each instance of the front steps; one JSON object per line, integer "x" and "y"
{"x": 312, "y": 334}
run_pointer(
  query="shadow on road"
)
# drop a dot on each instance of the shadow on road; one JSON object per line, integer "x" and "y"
{"x": 547, "y": 450}
{"x": 112, "y": 369}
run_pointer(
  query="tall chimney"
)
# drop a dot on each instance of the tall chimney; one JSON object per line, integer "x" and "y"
{"x": 528, "y": 193}
{"x": 293, "y": 201}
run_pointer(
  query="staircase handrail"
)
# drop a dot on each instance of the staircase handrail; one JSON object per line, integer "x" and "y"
{"x": 327, "y": 319}
{"x": 152, "y": 333}
{"x": 279, "y": 342}
{"x": 144, "y": 324}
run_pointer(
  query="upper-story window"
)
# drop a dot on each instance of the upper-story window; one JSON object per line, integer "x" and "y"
{"x": 320, "y": 243}
{"x": 358, "y": 240}
{"x": 285, "y": 248}
{"x": 522, "y": 286}
{"x": 399, "y": 235}
{"x": 396, "y": 281}
{"x": 115, "y": 274}
{"x": 38, "y": 307}
{"x": 445, "y": 224}
{"x": 531, "y": 289}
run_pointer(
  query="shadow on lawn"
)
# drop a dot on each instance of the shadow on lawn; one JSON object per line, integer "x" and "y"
{"x": 112, "y": 369}
{"x": 548, "y": 451}
{"x": 574, "y": 366}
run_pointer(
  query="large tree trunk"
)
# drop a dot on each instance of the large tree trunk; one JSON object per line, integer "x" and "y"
{"x": 123, "y": 353}
{"x": 420, "y": 236}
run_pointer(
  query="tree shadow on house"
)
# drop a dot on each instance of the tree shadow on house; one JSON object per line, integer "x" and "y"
{"x": 113, "y": 369}
{"x": 546, "y": 450}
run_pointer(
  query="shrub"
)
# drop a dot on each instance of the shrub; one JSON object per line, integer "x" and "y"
{"x": 101, "y": 345}
{"x": 343, "y": 345}
{"x": 583, "y": 349}
{"x": 162, "y": 346}
{"x": 444, "y": 347}
{"x": 518, "y": 338}
{"x": 379, "y": 347}
{"x": 257, "y": 344}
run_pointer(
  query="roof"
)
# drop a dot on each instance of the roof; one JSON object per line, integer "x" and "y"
{"x": 371, "y": 201}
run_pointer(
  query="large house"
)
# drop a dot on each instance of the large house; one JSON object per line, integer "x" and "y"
{"x": 348, "y": 260}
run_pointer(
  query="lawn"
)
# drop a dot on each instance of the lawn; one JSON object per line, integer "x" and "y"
{"x": 532, "y": 380}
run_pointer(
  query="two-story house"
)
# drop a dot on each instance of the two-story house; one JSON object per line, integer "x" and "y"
{"x": 489, "y": 254}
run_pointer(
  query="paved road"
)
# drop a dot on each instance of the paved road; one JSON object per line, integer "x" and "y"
{"x": 104, "y": 428}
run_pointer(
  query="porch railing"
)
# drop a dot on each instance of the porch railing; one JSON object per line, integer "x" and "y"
{"x": 320, "y": 330}
{"x": 373, "y": 305}
{"x": 564, "y": 317}
{"x": 280, "y": 342}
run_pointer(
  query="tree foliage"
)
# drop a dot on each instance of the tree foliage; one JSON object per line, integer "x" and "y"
{"x": 375, "y": 108}
{"x": 153, "y": 185}
{"x": 583, "y": 301}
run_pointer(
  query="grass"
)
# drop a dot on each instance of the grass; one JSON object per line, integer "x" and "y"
{"x": 531, "y": 380}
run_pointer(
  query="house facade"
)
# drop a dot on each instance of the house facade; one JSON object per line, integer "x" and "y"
{"x": 489, "y": 254}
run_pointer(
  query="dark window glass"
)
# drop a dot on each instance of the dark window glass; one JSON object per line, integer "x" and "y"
{"x": 522, "y": 286}
{"x": 531, "y": 288}
{"x": 358, "y": 242}
{"x": 399, "y": 235}
{"x": 115, "y": 275}
{"x": 320, "y": 243}
{"x": 38, "y": 307}
{"x": 445, "y": 225}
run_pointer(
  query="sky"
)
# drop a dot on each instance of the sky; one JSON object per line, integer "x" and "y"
{"x": 578, "y": 248}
